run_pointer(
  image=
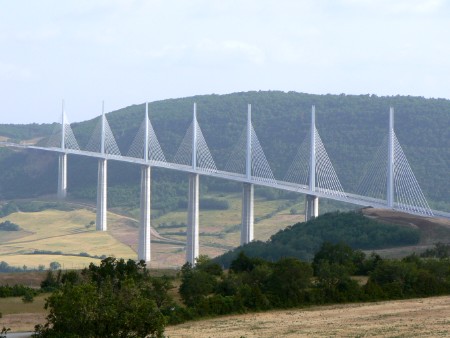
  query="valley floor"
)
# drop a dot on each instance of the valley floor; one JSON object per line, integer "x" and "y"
{"x": 425, "y": 317}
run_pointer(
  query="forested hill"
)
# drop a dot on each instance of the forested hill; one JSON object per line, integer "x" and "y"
{"x": 303, "y": 240}
{"x": 352, "y": 129}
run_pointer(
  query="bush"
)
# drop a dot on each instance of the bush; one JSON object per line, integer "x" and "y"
{"x": 9, "y": 226}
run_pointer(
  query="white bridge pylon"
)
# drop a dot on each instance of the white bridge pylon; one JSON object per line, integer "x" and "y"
{"x": 312, "y": 171}
{"x": 389, "y": 177}
{"x": 146, "y": 145}
{"x": 312, "y": 168}
{"x": 248, "y": 158}
{"x": 193, "y": 150}
{"x": 63, "y": 136}
{"x": 102, "y": 140}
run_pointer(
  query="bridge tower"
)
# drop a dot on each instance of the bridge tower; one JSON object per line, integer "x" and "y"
{"x": 192, "y": 239}
{"x": 102, "y": 180}
{"x": 247, "y": 224}
{"x": 62, "y": 159}
{"x": 311, "y": 200}
{"x": 391, "y": 161}
{"x": 144, "y": 252}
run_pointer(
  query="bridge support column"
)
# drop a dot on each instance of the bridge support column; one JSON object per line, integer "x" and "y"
{"x": 311, "y": 207}
{"x": 101, "y": 220}
{"x": 62, "y": 176}
{"x": 247, "y": 214}
{"x": 144, "y": 227}
{"x": 192, "y": 246}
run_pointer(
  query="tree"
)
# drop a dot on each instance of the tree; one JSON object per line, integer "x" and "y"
{"x": 111, "y": 300}
{"x": 290, "y": 277}
{"x": 55, "y": 266}
{"x": 340, "y": 254}
{"x": 195, "y": 285}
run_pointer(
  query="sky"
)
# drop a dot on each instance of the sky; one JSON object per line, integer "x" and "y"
{"x": 130, "y": 52}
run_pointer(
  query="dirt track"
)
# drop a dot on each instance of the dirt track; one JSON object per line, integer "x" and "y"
{"x": 427, "y": 317}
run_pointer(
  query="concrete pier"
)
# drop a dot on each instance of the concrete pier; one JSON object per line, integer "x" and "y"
{"x": 144, "y": 226}
{"x": 311, "y": 207}
{"x": 62, "y": 176}
{"x": 312, "y": 201}
{"x": 192, "y": 246}
{"x": 101, "y": 220}
{"x": 390, "y": 164}
{"x": 247, "y": 214}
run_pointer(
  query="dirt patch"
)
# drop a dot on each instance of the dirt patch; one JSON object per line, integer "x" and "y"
{"x": 431, "y": 227}
{"x": 22, "y": 322}
{"x": 427, "y": 317}
{"x": 32, "y": 279}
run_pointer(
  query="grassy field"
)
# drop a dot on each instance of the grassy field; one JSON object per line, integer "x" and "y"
{"x": 427, "y": 317}
{"x": 58, "y": 231}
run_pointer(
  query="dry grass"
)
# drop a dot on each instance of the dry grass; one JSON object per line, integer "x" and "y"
{"x": 30, "y": 278}
{"x": 428, "y": 317}
{"x": 19, "y": 316}
{"x": 54, "y": 230}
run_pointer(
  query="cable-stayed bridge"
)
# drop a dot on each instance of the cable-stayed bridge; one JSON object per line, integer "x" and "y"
{"x": 389, "y": 182}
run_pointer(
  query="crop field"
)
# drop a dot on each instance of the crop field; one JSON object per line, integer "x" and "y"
{"x": 426, "y": 317}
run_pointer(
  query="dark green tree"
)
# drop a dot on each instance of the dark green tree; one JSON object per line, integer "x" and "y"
{"x": 289, "y": 278}
{"x": 119, "y": 304}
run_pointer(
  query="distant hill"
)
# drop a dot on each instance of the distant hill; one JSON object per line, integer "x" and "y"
{"x": 352, "y": 129}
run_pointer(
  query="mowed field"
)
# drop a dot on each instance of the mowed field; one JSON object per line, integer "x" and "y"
{"x": 426, "y": 317}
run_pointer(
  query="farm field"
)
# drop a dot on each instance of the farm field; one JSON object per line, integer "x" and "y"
{"x": 426, "y": 317}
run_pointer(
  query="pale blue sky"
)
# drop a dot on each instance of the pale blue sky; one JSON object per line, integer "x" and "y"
{"x": 129, "y": 52}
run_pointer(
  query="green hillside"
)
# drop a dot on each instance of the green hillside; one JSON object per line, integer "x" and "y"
{"x": 352, "y": 128}
{"x": 303, "y": 240}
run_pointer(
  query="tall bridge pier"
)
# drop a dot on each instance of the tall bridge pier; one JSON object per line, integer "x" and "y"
{"x": 62, "y": 160}
{"x": 247, "y": 227}
{"x": 144, "y": 252}
{"x": 102, "y": 181}
{"x": 62, "y": 176}
{"x": 192, "y": 231}
{"x": 144, "y": 246}
{"x": 102, "y": 197}
{"x": 247, "y": 224}
{"x": 311, "y": 200}
{"x": 192, "y": 245}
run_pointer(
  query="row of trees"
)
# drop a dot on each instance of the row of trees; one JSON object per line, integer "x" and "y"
{"x": 256, "y": 284}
